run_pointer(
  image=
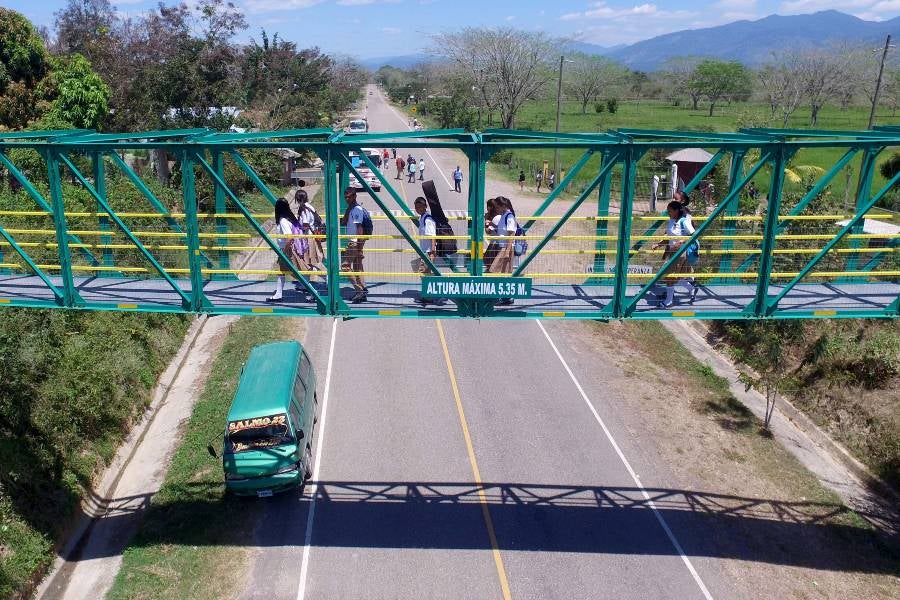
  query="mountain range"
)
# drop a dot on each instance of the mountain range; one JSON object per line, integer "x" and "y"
{"x": 750, "y": 42}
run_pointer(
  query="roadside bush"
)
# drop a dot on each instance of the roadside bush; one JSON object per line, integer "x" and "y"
{"x": 891, "y": 166}
{"x": 599, "y": 107}
{"x": 612, "y": 105}
{"x": 504, "y": 157}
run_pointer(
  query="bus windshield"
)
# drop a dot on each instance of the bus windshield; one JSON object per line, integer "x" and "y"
{"x": 258, "y": 433}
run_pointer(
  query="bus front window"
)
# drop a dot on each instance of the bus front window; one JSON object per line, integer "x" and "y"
{"x": 258, "y": 433}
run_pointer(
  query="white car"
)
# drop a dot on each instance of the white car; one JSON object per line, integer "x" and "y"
{"x": 358, "y": 126}
{"x": 368, "y": 177}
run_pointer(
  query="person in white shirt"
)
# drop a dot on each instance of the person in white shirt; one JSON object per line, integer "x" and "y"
{"x": 491, "y": 219}
{"x": 353, "y": 255}
{"x": 679, "y": 225}
{"x": 421, "y": 165}
{"x": 284, "y": 225}
{"x": 313, "y": 254}
{"x": 506, "y": 228}
{"x": 428, "y": 245}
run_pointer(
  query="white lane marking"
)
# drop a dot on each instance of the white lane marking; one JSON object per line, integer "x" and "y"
{"x": 433, "y": 161}
{"x": 631, "y": 472}
{"x": 304, "y": 565}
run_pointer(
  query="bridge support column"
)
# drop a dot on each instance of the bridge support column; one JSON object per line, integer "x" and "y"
{"x": 70, "y": 294}
{"x": 333, "y": 212}
{"x": 731, "y": 211}
{"x": 602, "y": 227}
{"x": 863, "y": 194}
{"x": 623, "y": 243}
{"x": 198, "y": 299}
{"x": 218, "y": 163}
{"x": 98, "y": 167}
{"x": 759, "y": 306}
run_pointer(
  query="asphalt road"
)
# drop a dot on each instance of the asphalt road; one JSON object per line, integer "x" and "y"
{"x": 468, "y": 459}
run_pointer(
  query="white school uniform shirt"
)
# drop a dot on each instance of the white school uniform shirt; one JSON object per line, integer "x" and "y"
{"x": 284, "y": 228}
{"x": 307, "y": 218}
{"x": 427, "y": 226}
{"x": 682, "y": 227}
{"x": 506, "y": 225}
{"x": 354, "y": 220}
{"x": 422, "y": 165}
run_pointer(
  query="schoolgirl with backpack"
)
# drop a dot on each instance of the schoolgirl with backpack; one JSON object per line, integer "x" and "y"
{"x": 679, "y": 225}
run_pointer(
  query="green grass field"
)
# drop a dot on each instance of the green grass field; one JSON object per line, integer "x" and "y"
{"x": 649, "y": 114}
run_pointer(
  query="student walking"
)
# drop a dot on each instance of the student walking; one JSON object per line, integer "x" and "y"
{"x": 358, "y": 222}
{"x": 411, "y": 170}
{"x": 521, "y": 180}
{"x": 384, "y": 159}
{"x": 678, "y": 226}
{"x": 285, "y": 223}
{"x": 457, "y": 180}
{"x": 427, "y": 229}
{"x": 506, "y": 228}
{"x": 394, "y": 152}
{"x": 551, "y": 180}
{"x": 400, "y": 165}
{"x": 491, "y": 220}
{"x": 421, "y": 167}
{"x": 539, "y": 178}
{"x": 311, "y": 224}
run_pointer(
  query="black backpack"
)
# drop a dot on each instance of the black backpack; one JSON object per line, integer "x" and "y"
{"x": 367, "y": 226}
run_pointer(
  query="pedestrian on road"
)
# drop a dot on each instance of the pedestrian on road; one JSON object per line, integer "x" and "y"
{"x": 384, "y": 158}
{"x": 420, "y": 165}
{"x": 394, "y": 151}
{"x": 285, "y": 221}
{"x": 411, "y": 170}
{"x": 539, "y": 178}
{"x": 457, "y": 180}
{"x": 551, "y": 180}
{"x": 654, "y": 193}
{"x": 352, "y": 261}
{"x": 521, "y": 180}
{"x": 400, "y": 166}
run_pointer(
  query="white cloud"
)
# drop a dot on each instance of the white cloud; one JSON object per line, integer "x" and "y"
{"x": 355, "y": 2}
{"x": 258, "y": 6}
{"x": 391, "y": 30}
{"x": 811, "y": 6}
{"x": 511, "y": 18}
{"x": 736, "y": 6}
{"x": 601, "y": 10}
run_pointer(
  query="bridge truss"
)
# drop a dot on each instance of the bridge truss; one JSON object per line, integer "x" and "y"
{"x": 84, "y": 228}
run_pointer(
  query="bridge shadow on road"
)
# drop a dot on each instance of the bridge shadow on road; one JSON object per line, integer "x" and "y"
{"x": 551, "y": 518}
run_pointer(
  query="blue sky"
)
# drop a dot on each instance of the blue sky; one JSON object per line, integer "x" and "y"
{"x": 372, "y": 28}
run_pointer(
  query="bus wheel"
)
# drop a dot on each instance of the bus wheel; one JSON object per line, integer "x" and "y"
{"x": 307, "y": 472}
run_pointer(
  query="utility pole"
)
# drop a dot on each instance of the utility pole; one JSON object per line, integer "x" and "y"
{"x": 887, "y": 45}
{"x": 562, "y": 59}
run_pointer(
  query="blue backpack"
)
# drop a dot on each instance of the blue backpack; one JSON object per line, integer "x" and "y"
{"x": 367, "y": 226}
{"x": 520, "y": 247}
{"x": 693, "y": 251}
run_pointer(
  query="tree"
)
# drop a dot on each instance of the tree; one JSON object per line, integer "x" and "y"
{"x": 761, "y": 347}
{"x": 824, "y": 74}
{"x": 590, "y": 76}
{"x": 85, "y": 27}
{"x": 782, "y": 85}
{"x": 507, "y": 66}
{"x": 81, "y": 97}
{"x": 677, "y": 73}
{"x": 24, "y": 62}
{"x": 719, "y": 80}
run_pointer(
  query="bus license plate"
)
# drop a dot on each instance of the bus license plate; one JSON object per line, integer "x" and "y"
{"x": 264, "y": 494}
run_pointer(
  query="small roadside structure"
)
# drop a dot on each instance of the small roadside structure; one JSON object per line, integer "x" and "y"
{"x": 686, "y": 163}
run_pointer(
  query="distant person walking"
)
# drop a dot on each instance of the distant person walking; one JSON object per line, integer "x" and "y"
{"x": 384, "y": 158}
{"x": 654, "y": 191}
{"x": 421, "y": 166}
{"x": 551, "y": 180}
{"x": 521, "y": 180}
{"x": 311, "y": 224}
{"x": 400, "y": 165}
{"x": 457, "y": 180}
{"x": 394, "y": 152}
{"x": 411, "y": 170}
{"x": 539, "y": 179}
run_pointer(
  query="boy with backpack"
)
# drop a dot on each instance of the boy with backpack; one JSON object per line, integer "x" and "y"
{"x": 358, "y": 223}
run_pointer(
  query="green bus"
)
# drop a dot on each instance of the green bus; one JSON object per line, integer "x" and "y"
{"x": 268, "y": 435}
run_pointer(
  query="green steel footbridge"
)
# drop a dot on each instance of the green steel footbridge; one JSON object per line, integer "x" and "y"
{"x": 85, "y": 225}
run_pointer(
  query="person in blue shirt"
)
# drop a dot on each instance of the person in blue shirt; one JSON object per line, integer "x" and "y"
{"x": 457, "y": 180}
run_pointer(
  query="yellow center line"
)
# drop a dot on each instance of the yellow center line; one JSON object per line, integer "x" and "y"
{"x": 498, "y": 560}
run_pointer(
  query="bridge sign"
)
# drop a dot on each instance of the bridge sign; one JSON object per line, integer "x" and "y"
{"x": 476, "y": 287}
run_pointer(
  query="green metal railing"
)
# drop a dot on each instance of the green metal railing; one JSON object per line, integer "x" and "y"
{"x": 583, "y": 261}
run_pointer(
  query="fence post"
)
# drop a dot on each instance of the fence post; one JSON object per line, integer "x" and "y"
{"x": 70, "y": 295}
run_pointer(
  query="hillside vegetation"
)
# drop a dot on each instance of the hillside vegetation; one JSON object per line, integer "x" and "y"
{"x": 72, "y": 384}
